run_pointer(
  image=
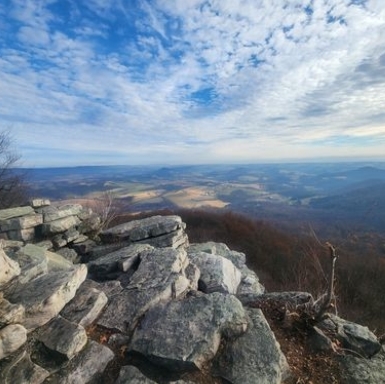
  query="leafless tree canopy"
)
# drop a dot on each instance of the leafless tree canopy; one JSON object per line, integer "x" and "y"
{"x": 12, "y": 186}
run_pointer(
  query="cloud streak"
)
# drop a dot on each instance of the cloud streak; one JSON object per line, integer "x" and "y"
{"x": 165, "y": 81}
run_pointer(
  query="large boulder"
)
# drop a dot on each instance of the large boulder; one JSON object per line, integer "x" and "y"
{"x": 44, "y": 297}
{"x": 352, "y": 336}
{"x": 218, "y": 274}
{"x": 160, "y": 276}
{"x": 356, "y": 370}
{"x": 186, "y": 334}
{"x": 254, "y": 357}
{"x": 160, "y": 231}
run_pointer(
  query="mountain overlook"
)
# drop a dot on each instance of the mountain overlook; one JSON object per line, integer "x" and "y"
{"x": 139, "y": 302}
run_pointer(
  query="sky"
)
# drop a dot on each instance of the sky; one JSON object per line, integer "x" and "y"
{"x": 102, "y": 82}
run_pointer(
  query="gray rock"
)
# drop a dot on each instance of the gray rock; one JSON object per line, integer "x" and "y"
{"x": 110, "y": 288}
{"x": 174, "y": 239}
{"x": 32, "y": 264}
{"x": 218, "y": 274}
{"x": 9, "y": 213}
{"x": 59, "y": 241}
{"x": 159, "y": 277}
{"x": 356, "y": 370}
{"x": 69, "y": 254}
{"x": 254, "y": 357}
{"x": 59, "y": 225}
{"x": 319, "y": 342}
{"x": 90, "y": 224}
{"x": 132, "y": 375}
{"x": 38, "y": 203}
{"x": 142, "y": 229}
{"x": 55, "y": 262}
{"x": 44, "y": 297}
{"x": 193, "y": 274}
{"x": 220, "y": 249}
{"x": 54, "y": 213}
{"x": 63, "y": 336}
{"x": 88, "y": 365}
{"x": 353, "y": 336}
{"x": 23, "y": 222}
{"x": 186, "y": 334}
{"x": 249, "y": 283}
{"x": 120, "y": 260}
{"x": 46, "y": 244}
{"x": 12, "y": 337}
{"x": 9, "y": 269}
{"x": 85, "y": 247}
{"x": 24, "y": 235}
{"x": 275, "y": 298}
{"x": 11, "y": 313}
{"x": 21, "y": 370}
{"x": 86, "y": 306}
{"x": 71, "y": 235}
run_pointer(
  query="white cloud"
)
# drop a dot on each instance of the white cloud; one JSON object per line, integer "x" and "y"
{"x": 280, "y": 78}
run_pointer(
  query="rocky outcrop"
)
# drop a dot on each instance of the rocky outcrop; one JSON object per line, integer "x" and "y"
{"x": 146, "y": 307}
{"x": 159, "y": 231}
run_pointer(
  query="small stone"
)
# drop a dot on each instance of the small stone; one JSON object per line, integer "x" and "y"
{"x": 88, "y": 365}
{"x": 63, "y": 336}
{"x": 11, "y": 313}
{"x": 86, "y": 306}
{"x": 12, "y": 337}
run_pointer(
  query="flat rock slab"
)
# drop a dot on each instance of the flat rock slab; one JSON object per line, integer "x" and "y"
{"x": 86, "y": 306}
{"x": 186, "y": 334}
{"x": 254, "y": 357}
{"x": 52, "y": 213}
{"x": 44, "y": 297}
{"x": 218, "y": 274}
{"x": 59, "y": 225}
{"x": 12, "y": 337}
{"x": 174, "y": 239}
{"x": 21, "y": 370}
{"x": 132, "y": 375}
{"x": 9, "y": 213}
{"x": 63, "y": 336}
{"x": 120, "y": 260}
{"x": 143, "y": 229}
{"x": 23, "y": 222}
{"x": 85, "y": 367}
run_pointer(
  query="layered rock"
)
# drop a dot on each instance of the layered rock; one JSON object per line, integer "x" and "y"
{"x": 159, "y": 231}
{"x": 174, "y": 313}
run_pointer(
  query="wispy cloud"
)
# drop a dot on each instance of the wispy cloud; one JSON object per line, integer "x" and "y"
{"x": 192, "y": 81}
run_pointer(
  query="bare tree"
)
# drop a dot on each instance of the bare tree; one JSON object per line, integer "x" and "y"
{"x": 13, "y": 190}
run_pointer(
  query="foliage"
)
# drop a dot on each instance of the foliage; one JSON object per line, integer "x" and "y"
{"x": 13, "y": 190}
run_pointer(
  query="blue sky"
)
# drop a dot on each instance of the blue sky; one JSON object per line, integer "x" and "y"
{"x": 188, "y": 81}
